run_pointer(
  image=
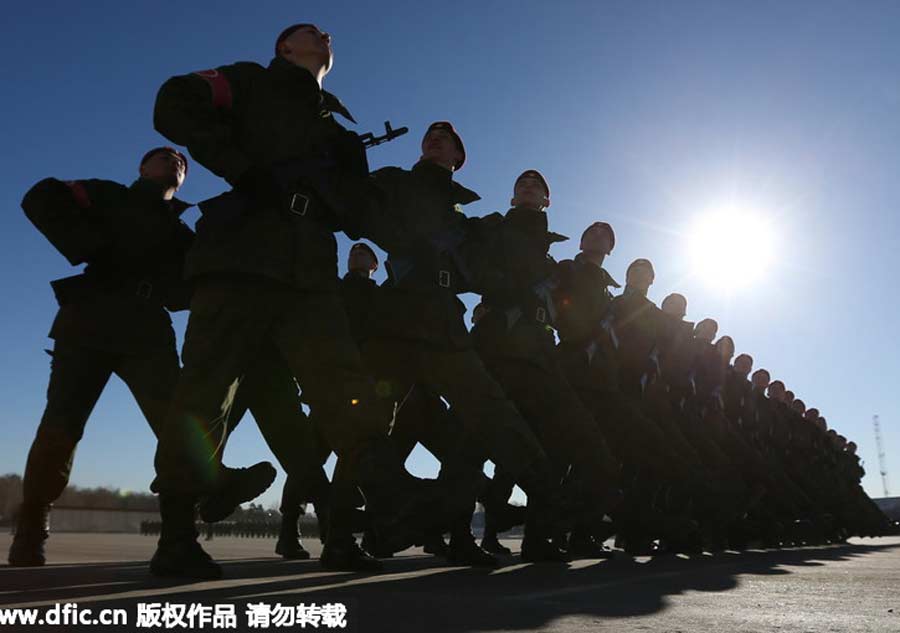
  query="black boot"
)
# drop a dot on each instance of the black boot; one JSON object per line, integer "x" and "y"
{"x": 583, "y": 545}
{"x": 236, "y": 486}
{"x": 32, "y": 530}
{"x": 343, "y": 554}
{"x": 463, "y": 550}
{"x": 435, "y": 544}
{"x": 399, "y": 504}
{"x": 289, "y": 545}
{"x": 491, "y": 544}
{"x": 178, "y": 552}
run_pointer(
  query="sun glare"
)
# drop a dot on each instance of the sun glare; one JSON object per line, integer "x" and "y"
{"x": 731, "y": 248}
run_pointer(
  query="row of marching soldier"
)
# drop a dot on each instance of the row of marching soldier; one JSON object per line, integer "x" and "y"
{"x": 635, "y": 424}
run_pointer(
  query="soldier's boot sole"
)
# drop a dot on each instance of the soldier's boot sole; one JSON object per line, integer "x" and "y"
{"x": 238, "y": 486}
{"x": 184, "y": 559}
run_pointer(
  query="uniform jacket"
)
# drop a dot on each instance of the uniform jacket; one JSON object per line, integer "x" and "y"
{"x": 419, "y": 223}
{"x": 276, "y": 121}
{"x": 134, "y": 245}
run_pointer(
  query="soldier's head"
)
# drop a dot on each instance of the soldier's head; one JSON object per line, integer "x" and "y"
{"x": 362, "y": 260}
{"x": 799, "y": 406}
{"x": 306, "y": 46}
{"x": 640, "y": 274}
{"x": 531, "y": 190}
{"x": 706, "y": 330}
{"x": 776, "y": 390}
{"x": 725, "y": 348}
{"x": 598, "y": 239}
{"x": 760, "y": 379}
{"x": 743, "y": 364}
{"x": 821, "y": 423}
{"x": 851, "y": 448}
{"x": 812, "y": 414}
{"x": 443, "y": 146}
{"x": 675, "y": 305}
{"x": 165, "y": 166}
{"x": 478, "y": 312}
{"x": 788, "y": 398}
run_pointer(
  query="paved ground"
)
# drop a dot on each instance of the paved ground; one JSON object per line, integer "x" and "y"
{"x": 855, "y": 587}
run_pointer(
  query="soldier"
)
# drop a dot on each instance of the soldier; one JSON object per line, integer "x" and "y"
{"x": 515, "y": 341}
{"x": 265, "y": 271}
{"x": 112, "y": 318}
{"x": 429, "y": 244}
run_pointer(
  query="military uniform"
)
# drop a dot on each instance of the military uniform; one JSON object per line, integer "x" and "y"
{"x": 516, "y": 342}
{"x": 264, "y": 265}
{"x": 422, "y": 337}
{"x": 112, "y": 319}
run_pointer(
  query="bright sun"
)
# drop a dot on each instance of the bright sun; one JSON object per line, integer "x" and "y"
{"x": 731, "y": 248}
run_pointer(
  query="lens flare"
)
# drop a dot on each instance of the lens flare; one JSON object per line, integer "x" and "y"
{"x": 731, "y": 248}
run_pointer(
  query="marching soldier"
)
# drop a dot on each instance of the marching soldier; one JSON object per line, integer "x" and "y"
{"x": 113, "y": 317}
{"x": 265, "y": 272}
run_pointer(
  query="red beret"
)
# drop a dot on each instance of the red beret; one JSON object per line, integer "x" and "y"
{"x": 642, "y": 262}
{"x": 534, "y": 173}
{"x": 606, "y": 226}
{"x": 365, "y": 246}
{"x": 448, "y": 127}
{"x": 165, "y": 150}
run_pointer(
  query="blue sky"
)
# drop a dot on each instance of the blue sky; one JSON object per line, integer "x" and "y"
{"x": 643, "y": 114}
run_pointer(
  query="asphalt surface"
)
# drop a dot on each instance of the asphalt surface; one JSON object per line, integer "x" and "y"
{"x": 853, "y": 587}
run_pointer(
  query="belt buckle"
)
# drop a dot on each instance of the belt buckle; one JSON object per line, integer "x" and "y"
{"x": 540, "y": 315}
{"x": 296, "y": 207}
{"x": 144, "y": 290}
{"x": 444, "y": 279}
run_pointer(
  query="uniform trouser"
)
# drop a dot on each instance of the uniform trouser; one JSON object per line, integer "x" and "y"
{"x": 77, "y": 378}
{"x": 268, "y": 390}
{"x": 565, "y": 428}
{"x": 423, "y": 418}
{"x": 230, "y": 322}
{"x": 489, "y": 422}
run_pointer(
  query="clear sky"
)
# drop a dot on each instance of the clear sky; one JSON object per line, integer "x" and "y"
{"x": 643, "y": 114}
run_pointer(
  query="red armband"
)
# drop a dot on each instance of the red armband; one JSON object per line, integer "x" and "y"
{"x": 218, "y": 84}
{"x": 79, "y": 193}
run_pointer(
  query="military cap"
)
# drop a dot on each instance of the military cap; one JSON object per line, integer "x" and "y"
{"x": 448, "y": 127}
{"x": 365, "y": 246}
{"x": 675, "y": 296}
{"x": 165, "y": 149}
{"x": 287, "y": 33}
{"x": 608, "y": 227}
{"x": 534, "y": 173}
{"x": 642, "y": 262}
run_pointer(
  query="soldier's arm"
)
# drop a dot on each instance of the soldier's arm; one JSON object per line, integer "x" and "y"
{"x": 69, "y": 215}
{"x": 198, "y": 111}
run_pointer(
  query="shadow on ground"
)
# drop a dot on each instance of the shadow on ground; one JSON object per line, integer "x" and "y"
{"x": 417, "y": 594}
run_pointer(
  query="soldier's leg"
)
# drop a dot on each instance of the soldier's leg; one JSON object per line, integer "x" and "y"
{"x": 77, "y": 378}
{"x": 226, "y": 326}
{"x": 227, "y": 323}
{"x": 151, "y": 377}
{"x": 567, "y": 431}
{"x": 313, "y": 336}
{"x": 494, "y": 428}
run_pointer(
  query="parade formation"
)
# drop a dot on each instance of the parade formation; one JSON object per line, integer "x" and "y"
{"x": 616, "y": 417}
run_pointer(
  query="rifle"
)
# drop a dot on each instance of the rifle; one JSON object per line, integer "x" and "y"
{"x": 370, "y": 140}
